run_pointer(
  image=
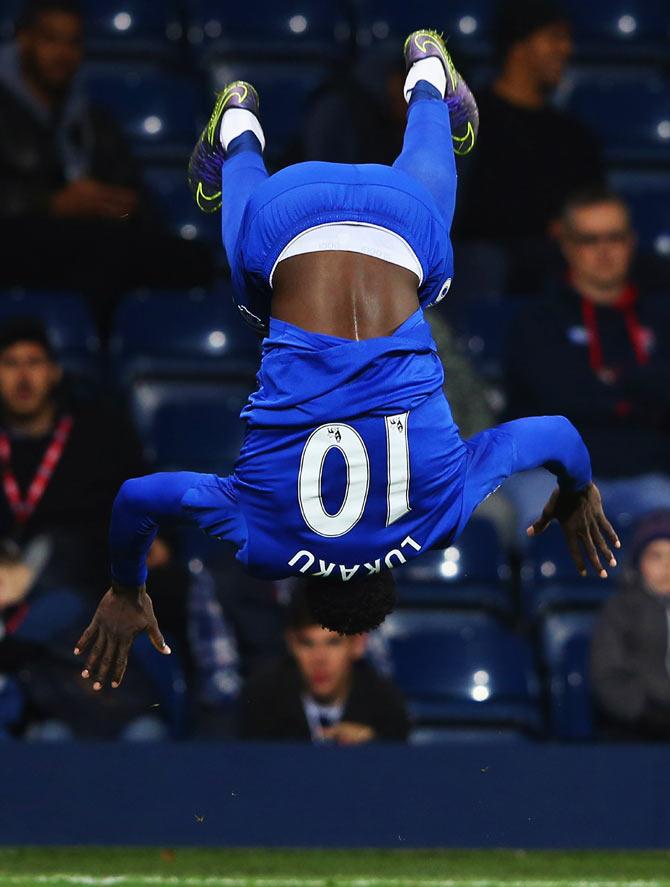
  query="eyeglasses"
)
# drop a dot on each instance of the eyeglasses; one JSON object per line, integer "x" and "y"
{"x": 584, "y": 238}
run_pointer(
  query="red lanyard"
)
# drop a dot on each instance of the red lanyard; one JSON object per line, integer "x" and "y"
{"x": 23, "y": 508}
{"x": 625, "y": 304}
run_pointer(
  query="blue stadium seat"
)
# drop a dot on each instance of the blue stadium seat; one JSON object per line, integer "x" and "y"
{"x": 190, "y": 425}
{"x": 68, "y": 322}
{"x": 566, "y": 644}
{"x": 167, "y": 676}
{"x": 470, "y": 573}
{"x": 465, "y": 22}
{"x": 159, "y": 110}
{"x": 484, "y": 326}
{"x": 462, "y": 736}
{"x": 132, "y": 26}
{"x": 279, "y": 26}
{"x": 619, "y": 24}
{"x": 182, "y": 334}
{"x": 168, "y": 186}
{"x": 628, "y": 109}
{"x": 648, "y": 194}
{"x": 285, "y": 90}
{"x": 463, "y": 668}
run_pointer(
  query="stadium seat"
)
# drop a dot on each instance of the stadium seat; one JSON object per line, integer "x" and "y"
{"x": 69, "y": 325}
{"x": 629, "y": 110}
{"x": 618, "y": 25}
{"x": 159, "y": 110}
{"x": 648, "y": 194}
{"x": 167, "y": 676}
{"x": 465, "y": 22}
{"x": 566, "y": 643}
{"x": 132, "y": 26}
{"x": 470, "y": 573}
{"x": 168, "y": 186}
{"x": 463, "y": 736}
{"x": 273, "y": 26}
{"x": 189, "y": 425}
{"x": 285, "y": 90}
{"x": 182, "y": 334}
{"x": 463, "y": 668}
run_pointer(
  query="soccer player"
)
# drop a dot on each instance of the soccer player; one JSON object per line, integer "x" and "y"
{"x": 351, "y": 463}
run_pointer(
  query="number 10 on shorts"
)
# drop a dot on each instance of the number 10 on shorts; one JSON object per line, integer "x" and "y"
{"x": 357, "y": 462}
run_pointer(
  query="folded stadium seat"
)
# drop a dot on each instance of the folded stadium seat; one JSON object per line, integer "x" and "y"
{"x": 466, "y": 23}
{"x": 189, "y": 426}
{"x": 484, "y": 326}
{"x": 169, "y": 189}
{"x": 614, "y": 27}
{"x": 70, "y": 326}
{"x": 470, "y": 573}
{"x": 176, "y": 335}
{"x": 550, "y": 580}
{"x": 159, "y": 109}
{"x": 648, "y": 194}
{"x": 132, "y": 27}
{"x": 285, "y": 90}
{"x": 285, "y": 27}
{"x": 566, "y": 644}
{"x": 463, "y": 669}
{"x": 597, "y": 96}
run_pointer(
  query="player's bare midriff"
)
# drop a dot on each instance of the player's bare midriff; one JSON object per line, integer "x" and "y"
{"x": 344, "y": 294}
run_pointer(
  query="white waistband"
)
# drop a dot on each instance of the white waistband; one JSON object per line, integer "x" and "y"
{"x": 354, "y": 237}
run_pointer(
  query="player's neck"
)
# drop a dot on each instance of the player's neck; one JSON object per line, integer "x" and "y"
{"x": 36, "y": 424}
{"x": 516, "y": 86}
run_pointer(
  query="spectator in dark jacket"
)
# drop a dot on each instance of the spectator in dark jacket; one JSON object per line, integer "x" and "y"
{"x": 598, "y": 352}
{"x": 323, "y": 692}
{"x": 530, "y": 156}
{"x": 70, "y": 191}
{"x": 630, "y": 656}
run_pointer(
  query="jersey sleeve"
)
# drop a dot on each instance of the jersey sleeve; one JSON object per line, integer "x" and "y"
{"x": 143, "y": 504}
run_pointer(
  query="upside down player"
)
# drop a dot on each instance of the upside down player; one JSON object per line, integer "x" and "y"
{"x": 351, "y": 462}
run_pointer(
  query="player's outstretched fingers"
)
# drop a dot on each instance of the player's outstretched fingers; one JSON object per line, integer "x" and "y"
{"x": 599, "y": 540}
{"x": 94, "y": 656}
{"x": 120, "y": 663}
{"x": 157, "y": 638}
{"x": 575, "y": 554}
{"x": 86, "y": 638}
{"x": 609, "y": 529}
{"x": 104, "y": 664}
{"x": 593, "y": 555}
{"x": 540, "y": 525}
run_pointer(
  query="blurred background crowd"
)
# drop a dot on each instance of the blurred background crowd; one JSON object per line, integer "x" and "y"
{"x": 121, "y": 353}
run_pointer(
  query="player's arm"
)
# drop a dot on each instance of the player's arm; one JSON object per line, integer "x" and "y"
{"x": 552, "y": 442}
{"x": 141, "y": 506}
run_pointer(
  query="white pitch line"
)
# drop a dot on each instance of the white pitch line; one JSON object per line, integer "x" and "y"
{"x": 335, "y": 881}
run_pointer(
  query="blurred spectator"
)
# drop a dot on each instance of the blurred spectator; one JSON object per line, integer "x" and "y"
{"x": 630, "y": 656}
{"x": 323, "y": 692}
{"x": 598, "y": 352}
{"x": 530, "y": 156}
{"x": 350, "y": 122}
{"x": 61, "y": 463}
{"x": 70, "y": 191}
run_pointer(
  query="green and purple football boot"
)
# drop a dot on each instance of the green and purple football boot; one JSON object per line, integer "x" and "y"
{"x": 204, "y": 168}
{"x": 463, "y": 112}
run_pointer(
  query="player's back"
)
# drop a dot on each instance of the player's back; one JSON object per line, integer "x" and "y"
{"x": 351, "y": 458}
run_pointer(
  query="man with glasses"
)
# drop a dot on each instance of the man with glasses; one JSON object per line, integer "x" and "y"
{"x": 598, "y": 352}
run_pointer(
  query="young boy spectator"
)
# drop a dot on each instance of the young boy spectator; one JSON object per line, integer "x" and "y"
{"x": 530, "y": 156}
{"x": 598, "y": 352}
{"x": 630, "y": 655}
{"x": 322, "y": 692}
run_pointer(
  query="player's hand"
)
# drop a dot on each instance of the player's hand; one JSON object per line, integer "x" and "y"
{"x": 348, "y": 733}
{"x": 583, "y": 521}
{"x": 88, "y": 198}
{"x": 121, "y": 615}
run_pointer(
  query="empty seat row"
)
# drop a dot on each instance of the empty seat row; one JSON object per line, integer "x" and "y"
{"x": 469, "y": 670}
